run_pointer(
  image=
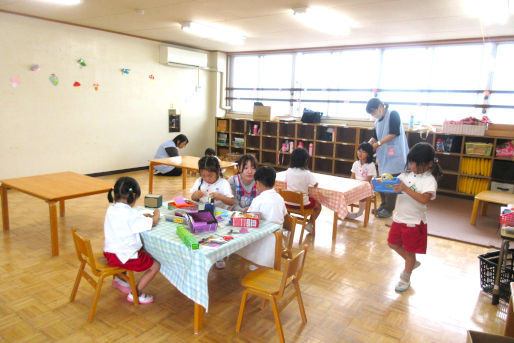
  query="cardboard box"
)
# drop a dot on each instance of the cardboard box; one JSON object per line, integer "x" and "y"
{"x": 153, "y": 200}
{"x": 249, "y": 220}
{"x": 482, "y": 337}
{"x": 502, "y": 187}
{"x": 261, "y": 112}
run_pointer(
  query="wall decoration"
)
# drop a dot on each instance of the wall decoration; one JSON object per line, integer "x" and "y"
{"x": 35, "y": 67}
{"x": 76, "y": 84}
{"x": 15, "y": 82}
{"x": 54, "y": 79}
{"x": 95, "y": 86}
{"x": 151, "y": 77}
{"x": 81, "y": 62}
{"x": 125, "y": 71}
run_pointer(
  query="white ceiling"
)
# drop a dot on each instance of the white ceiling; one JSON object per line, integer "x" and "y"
{"x": 269, "y": 24}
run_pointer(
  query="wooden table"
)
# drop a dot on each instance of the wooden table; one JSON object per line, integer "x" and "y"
{"x": 52, "y": 188}
{"x": 482, "y": 198}
{"x": 184, "y": 162}
{"x": 336, "y": 193}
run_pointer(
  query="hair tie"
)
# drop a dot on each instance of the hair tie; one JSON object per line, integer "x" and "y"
{"x": 130, "y": 189}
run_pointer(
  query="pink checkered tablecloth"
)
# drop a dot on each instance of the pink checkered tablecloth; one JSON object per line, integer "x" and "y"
{"x": 334, "y": 192}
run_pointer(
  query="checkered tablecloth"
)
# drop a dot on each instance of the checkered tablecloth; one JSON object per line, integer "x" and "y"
{"x": 334, "y": 192}
{"x": 188, "y": 269}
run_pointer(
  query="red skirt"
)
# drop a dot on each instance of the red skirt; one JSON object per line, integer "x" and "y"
{"x": 143, "y": 261}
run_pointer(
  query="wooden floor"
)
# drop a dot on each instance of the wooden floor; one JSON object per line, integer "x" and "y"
{"x": 347, "y": 287}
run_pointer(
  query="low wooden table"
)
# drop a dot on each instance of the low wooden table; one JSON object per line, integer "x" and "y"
{"x": 482, "y": 198}
{"x": 52, "y": 188}
{"x": 184, "y": 162}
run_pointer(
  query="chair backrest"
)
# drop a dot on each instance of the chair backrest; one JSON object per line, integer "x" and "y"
{"x": 84, "y": 251}
{"x": 292, "y": 197}
{"x": 290, "y": 226}
{"x": 293, "y": 269}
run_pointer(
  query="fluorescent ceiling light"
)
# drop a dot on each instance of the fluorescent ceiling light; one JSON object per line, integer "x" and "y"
{"x": 217, "y": 33}
{"x": 324, "y": 20}
{"x": 490, "y": 12}
{"x": 62, "y": 2}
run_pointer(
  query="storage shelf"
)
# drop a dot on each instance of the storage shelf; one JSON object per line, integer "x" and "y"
{"x": 335, "y": 148}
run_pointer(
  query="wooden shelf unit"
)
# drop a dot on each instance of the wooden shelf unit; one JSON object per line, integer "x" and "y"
{"x": 335, "y": 148}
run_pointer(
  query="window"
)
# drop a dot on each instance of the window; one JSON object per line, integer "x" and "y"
{"x": 503, "y": 81}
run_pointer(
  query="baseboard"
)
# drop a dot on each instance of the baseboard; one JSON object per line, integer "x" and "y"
{"x": 117, "y": 171}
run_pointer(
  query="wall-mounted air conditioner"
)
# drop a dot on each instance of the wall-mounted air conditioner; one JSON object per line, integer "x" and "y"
{"x": 182, "y": 57}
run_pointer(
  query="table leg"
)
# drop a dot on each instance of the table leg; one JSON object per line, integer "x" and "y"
{"x": 484, "y": 209}
{"x": 61, "y": 207}
{"x": 334, "y": 226}
{"x": 5, "y": 208}
{"x": 184, "y": 174}
{"x": 474, "y": 212}
{"x": 199, "y": 312}
{"x": 54, "y": 234}
{"x": 150, "y": 178}
{"x": 366, "y": 212}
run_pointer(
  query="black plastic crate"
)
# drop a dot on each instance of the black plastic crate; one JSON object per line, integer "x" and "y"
{"x": 488, "y": 265}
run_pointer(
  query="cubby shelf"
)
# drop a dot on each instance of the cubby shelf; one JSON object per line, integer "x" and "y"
{"x": 335, "y": 148}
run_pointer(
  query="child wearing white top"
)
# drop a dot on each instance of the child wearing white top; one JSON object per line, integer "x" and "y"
{"x": 299, "y": 179}
{"x": 123, "y": 247}
{"x": 272, "y": 208}
{"x": 408, "y": 232}
{"x": 363, "y": 169}
{"x": 210, "y": 184}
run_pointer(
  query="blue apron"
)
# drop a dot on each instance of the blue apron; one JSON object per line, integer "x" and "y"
{"x": 161, "y": 153}
{"x": 391, "y": 156}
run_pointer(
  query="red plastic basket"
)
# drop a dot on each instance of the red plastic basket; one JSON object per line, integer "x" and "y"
{"x": 507, "y": 219}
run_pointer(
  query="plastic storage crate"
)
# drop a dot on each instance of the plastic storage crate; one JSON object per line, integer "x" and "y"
{"x": 488, "y": 265}
{"x": 480, "y": 149}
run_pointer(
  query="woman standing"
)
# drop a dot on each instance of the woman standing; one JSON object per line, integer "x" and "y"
{"x": 170, "y": 149}
{"x": 390, "y": 144}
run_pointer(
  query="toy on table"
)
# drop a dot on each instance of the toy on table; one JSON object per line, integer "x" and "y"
{"x": 153, "y": 200}
{"x": 200, "y": 221}
{"x": 209, "y": 206}
{"x": 180, "y": 202}
{"x": 385, "y": 183}
{"x": 248, "y": 220}
{"x": 187, "y": 237}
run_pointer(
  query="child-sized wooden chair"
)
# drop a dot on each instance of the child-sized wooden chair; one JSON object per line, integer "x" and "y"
{"x": 270, "y": 284}
{"x": 373, "y": 200}
{"x": 290, "y": 228}
{"x": 303, "y": 214}
{"x": 99, "y": 268}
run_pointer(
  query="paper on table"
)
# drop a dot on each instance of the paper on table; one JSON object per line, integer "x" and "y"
{"x": 179, "y": 200}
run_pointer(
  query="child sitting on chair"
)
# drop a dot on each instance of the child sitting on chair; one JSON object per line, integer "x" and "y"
{"x": 363, "y": 169}
{"x": 123, "y": 247}
{"x": 272, "y": 208}
{"x": 210, "y": 184}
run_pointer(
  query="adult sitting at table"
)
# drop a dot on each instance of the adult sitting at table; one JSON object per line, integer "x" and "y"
{"x": 170, "y": 149}
{"x": 243, "y": 184}
{"x": 390, "y": 143}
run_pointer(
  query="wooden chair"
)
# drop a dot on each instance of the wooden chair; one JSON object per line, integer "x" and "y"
{"x": 373, "y": 200}
{"x": 303, "y": 214}
{"x": 99, "y": 268}
{"x": 290, "y": 227}
{"x": 270, "y": 284}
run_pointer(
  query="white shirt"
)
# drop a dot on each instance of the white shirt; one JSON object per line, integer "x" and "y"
{"x": 299, "y": 180}
{"x": 362, "y": 171}
{"x": 121, "y": 230}
{"x": 220, "y": 186}
{"x": 408, "y": 210}
{"x": 270, "y": 205}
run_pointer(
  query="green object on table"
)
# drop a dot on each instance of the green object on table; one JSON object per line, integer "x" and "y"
{"x": 187, "y": 237}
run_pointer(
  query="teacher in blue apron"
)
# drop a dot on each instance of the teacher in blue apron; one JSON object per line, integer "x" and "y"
{"x": 170, "y": 149}
{"x": 390, "y": 144}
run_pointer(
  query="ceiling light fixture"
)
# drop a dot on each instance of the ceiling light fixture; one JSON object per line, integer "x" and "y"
{"x": 62, "y": 2}
{"x": 217, "y": 33}
{"x": 324, "y": 20}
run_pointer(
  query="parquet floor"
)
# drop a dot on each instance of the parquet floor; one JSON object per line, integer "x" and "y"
{"x": 348, "y": 288}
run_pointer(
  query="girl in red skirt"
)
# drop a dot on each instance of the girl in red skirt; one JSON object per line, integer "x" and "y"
{"x": 123, "y": 247}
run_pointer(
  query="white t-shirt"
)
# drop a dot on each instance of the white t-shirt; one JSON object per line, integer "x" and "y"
{"x": 408, "y": 210}
{"x": 299, "y": 180}
{"x": 270, "y": 205}
{"x": 121, "y": 230}
{"x": 220, "y": 186}
{"x": 362, "y": 171}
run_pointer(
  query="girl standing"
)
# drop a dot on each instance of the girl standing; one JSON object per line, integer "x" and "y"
{"x": 363, "y": 169}
{"x": 123, "y": 247}
{"x": 243, "y": 184}
{"x": 408, "y": 233}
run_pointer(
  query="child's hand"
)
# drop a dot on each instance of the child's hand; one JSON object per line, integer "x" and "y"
{"x": 217, "y": 196}
{"x": 156, "y": 217}
{"x": 400, "y": 187}
{"x": 197, "y": 195}
{"x": 156, "y": 213}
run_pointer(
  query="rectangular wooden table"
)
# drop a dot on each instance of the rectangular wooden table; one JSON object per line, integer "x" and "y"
{"x": 336, "y": 193}
{"x": 52, "y": 188}
{"x": 482, "y": 198}
{"x": 184, "y": 162}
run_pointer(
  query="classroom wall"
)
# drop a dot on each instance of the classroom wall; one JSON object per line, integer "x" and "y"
{"x": 46, "y": 128}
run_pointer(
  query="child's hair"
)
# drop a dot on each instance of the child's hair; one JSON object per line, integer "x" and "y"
{"x": 265, "y": 175}
{"x": 374, "y": 103}
{"x": 243, "y": 160}
{"x": 209, "y": 152}
{"x": 367, "y": 148}
{"x": 210, "y": 164}
{"x": 422, "y": 154}
{"x": 179, "y": 139}
{"x": 125, "y": 188}
{"x": 299, "y": 158}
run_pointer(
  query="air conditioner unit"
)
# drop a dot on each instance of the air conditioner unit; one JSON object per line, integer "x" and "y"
{"x": 182, "y": 57}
